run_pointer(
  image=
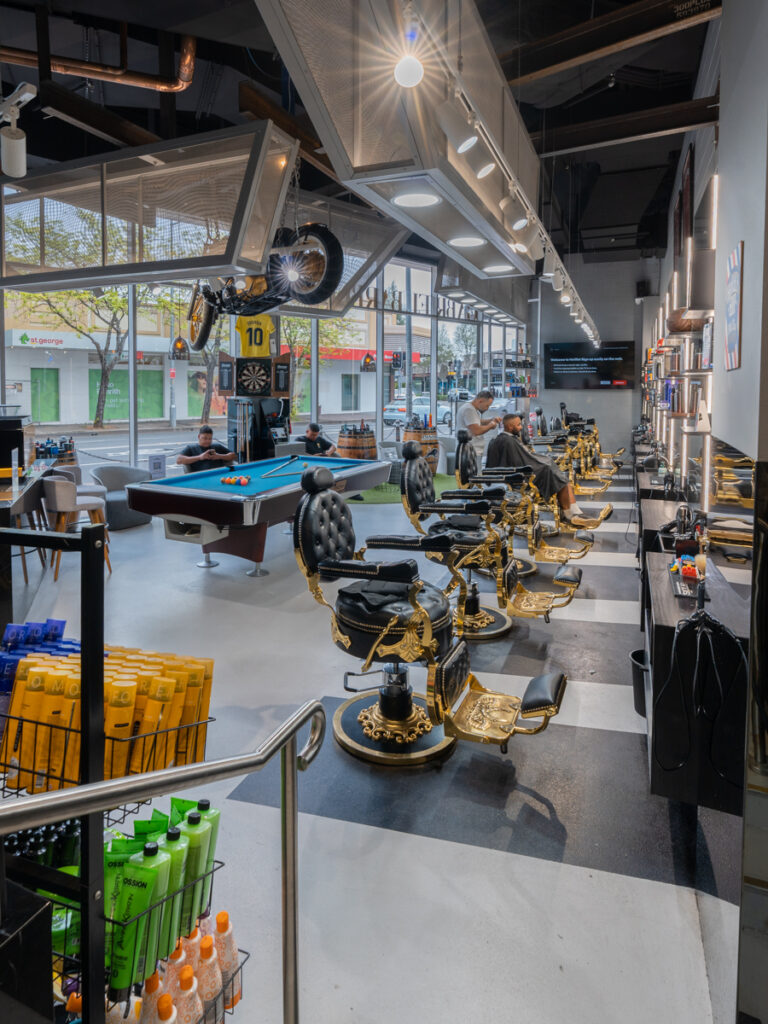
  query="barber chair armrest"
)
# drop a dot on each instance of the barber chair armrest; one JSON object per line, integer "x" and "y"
{"x": 465, "y": 508}
{"x": 440, "y": 542}
{"x": 494, "y": 493}
{"x": 406, "y": 571}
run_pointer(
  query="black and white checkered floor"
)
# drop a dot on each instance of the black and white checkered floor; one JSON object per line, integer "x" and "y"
{"x": 545, "y": 886}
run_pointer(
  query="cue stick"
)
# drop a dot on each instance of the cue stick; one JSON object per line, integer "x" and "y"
{"x": 273, "y": 471}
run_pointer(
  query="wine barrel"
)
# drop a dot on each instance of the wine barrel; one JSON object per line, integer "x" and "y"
{"x": 427, "y": 438}
{"x": 356, "y": 443}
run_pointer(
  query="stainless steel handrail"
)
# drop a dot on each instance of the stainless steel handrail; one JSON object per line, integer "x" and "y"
{"x": 45, "y": 808}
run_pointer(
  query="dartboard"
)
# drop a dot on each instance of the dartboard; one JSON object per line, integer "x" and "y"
{"x": 254, "y": 377}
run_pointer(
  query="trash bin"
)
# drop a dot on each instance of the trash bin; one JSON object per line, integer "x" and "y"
{"x": 639, "y": 661}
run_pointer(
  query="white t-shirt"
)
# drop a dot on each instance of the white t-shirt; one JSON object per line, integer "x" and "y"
{"x": 469, "y": 414}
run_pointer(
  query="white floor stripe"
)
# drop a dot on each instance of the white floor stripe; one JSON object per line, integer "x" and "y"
{"x": 735, "y": 575}
{"x": 590, "y": 705}
{"x": 614, "y": 559}
{"x": 587, "y": 609}
{"x": 584, "y": 502}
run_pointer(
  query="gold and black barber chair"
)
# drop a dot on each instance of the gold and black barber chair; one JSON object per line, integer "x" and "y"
{"x": 389, "y": 616}
{"x": 571, "y": 462}
{"x": 733, "y": 481}
{"x": 533, "y": 604}
{"x": 476, "y": 524}
{"x": 470, "y": 475}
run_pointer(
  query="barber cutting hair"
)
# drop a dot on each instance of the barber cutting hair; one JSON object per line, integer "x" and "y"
{"x": 508, "y": 449}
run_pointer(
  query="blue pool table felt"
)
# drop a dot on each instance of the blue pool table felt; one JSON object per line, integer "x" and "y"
{"x": 210, "y": 479}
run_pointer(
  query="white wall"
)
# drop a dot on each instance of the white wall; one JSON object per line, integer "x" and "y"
{"x": 742, "y": 166}
{"x": 608, "y": 291}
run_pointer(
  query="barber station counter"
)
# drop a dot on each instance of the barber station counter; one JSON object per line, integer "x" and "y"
{"x": 651, "y": 516}
{"x": 697, "y": 759}
{"x": 649, "y": 485}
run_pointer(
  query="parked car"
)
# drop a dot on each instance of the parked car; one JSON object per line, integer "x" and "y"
{"x": 460, "y": 394}
{"x": 395, "y": 412}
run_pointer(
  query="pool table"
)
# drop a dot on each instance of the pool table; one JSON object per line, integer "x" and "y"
{"x": 232, "y": 519}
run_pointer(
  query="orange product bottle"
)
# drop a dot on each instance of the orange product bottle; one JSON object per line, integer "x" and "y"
{"x": 166, "y": 1011}
{"x": 191, "y": 944}
{"x": 176, "y": 961}
{"x": 118, "y": 719}
{"x": 34, "y": 694}
{"x": 229, "y": 960}
{"x": 150, "y": 994}
{"x": 209, "y": 983}
{"x": 189, "y": 1006}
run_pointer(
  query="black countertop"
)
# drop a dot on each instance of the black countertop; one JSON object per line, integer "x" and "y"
{"x": 724, "y": 604}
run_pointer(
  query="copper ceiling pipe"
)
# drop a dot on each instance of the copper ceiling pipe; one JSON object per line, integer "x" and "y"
{"x": 110, "y": 73}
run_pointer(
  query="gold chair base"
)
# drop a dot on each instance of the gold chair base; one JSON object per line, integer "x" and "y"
{"x": 488, "y": 624}
{"x": 377, "y": 726}
{"x": 348, "y": 732}
{"x": 525, "y": 567}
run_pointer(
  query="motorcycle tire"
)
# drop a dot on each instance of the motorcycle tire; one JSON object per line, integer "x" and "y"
{"x": 202, "y": 317}
{"x": 316, "y": 283}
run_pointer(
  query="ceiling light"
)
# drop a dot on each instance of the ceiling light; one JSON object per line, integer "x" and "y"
{"x": 514, "y": 211}
{"x": 409, "y": 71}
{"x": 454, "y": 295}
{"x": 466, "y": 241}
{"x": 481, "y": 161}
{"x": 579, "y": 316}
{"x": 414, "y": 199}
{"x": 482, "y": 305}
{"x": 557, "y": 280}
{"x": 573, "y": 310}
{"x": 516, "y": 246}
{"x": 292, "y": 274}
{"x": 566, "y": 298}
{"x": 461, "y": 135}
{"x": 498, "y": 268}
{"x": 550, "y": 263}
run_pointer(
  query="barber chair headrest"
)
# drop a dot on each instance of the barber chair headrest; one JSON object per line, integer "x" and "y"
{"x": 462, "y": 436}
{"x": 317, "y": 479}
{"x": 411, "y": 450}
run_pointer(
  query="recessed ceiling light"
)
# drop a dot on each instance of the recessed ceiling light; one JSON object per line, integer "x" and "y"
{"x": 483, "y": 305}
{"x": 466, "y": 241}
{"x": 497, "y": 268}
{"x": 454, "y": 295}
{"x": 415, "y": 199}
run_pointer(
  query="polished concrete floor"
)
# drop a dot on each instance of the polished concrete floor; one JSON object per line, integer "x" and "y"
{"x": 543, "y": 886}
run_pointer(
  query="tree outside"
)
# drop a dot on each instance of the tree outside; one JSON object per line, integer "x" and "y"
{"x": 296, "y": 336}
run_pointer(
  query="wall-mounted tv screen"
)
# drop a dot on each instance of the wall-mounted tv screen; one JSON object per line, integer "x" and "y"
{"x": 581, "y": 366}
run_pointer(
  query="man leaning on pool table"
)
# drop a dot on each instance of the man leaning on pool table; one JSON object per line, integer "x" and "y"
{"x": 205, "y": 454}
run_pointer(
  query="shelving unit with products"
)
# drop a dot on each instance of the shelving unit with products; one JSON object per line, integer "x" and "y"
{"x": 677, "y": 401}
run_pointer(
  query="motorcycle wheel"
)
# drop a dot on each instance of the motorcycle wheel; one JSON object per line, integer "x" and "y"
{"x": 319, "y": 268}
{"x": 201, "y": 319}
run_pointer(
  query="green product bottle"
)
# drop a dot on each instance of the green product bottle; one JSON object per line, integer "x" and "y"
{"x": 177, "y": 847}
{"x": 213, "y": 816}
{"x": 152, "y": 856}
{"x": 199, "y": 834}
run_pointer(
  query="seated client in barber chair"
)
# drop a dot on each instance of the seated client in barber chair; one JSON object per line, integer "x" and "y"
{"x": 392, "y": 617}
{"x": 507, "y": 449}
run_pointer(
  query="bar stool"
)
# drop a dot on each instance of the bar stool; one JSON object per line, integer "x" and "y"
{"x": 62, "y": 499}
{"x": 92, "y": 490}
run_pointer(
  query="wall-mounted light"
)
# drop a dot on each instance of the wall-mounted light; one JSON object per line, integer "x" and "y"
{"x": 457, "y": 129}
{"x": 480, "y": 161}
{"x": 513, "y": 210}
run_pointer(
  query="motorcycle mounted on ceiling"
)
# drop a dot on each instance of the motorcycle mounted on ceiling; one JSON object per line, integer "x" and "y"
{"x": 304, "y": 266}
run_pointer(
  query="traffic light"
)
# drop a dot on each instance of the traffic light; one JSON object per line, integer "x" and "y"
{"x": 397, "y": 361}
{"x": 179, "y": 349}
{"x": 367, "y": 363}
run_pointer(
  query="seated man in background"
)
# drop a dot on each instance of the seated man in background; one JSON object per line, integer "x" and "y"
{"x": 315, "y": 444}
{"x": 507, "y": 449}
{"x": 205, "y": 454}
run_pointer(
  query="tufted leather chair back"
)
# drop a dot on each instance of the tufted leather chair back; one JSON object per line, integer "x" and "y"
{"x": 448, "y": 682}
{"x": 416, "y": 483}
{"x": 322, "y": 526}
{"x": 466, "y": 459}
